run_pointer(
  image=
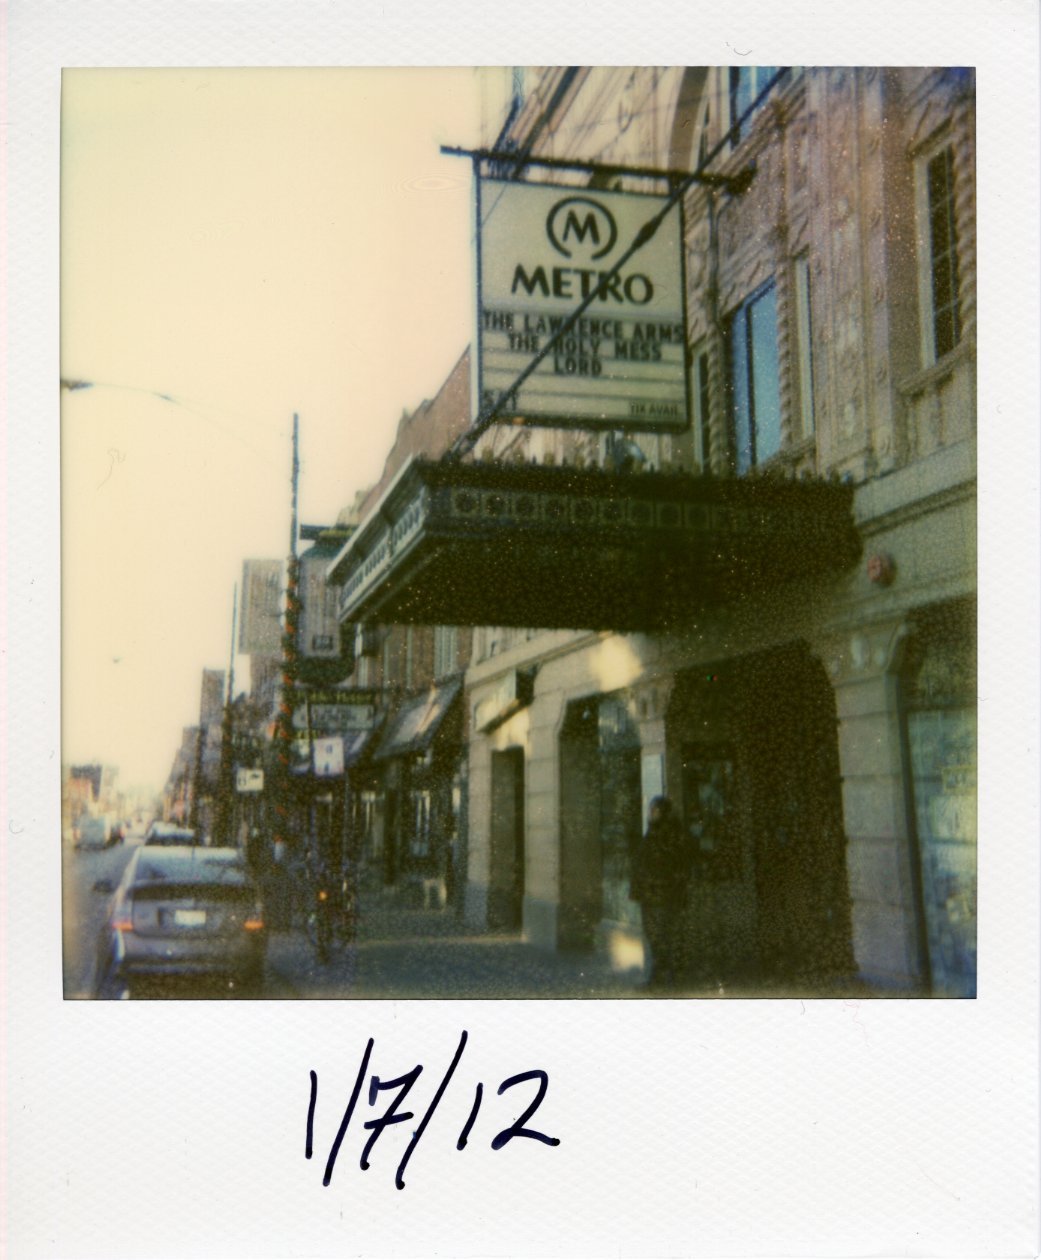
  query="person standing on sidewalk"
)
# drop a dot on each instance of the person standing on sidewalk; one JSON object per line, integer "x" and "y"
{"x": 660, "y": 876}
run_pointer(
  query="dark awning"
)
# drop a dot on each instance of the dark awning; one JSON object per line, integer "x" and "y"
{"x": 355, "y": 745}
{"x": 531, "y": 545}
{"x": 413, "y": 728}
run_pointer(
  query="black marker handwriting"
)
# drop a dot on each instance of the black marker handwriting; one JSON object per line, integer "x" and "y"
{"x": 393, "y": 1114}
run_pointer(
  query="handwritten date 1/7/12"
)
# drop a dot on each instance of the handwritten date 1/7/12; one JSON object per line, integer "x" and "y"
{"x": 393, "y": 1116}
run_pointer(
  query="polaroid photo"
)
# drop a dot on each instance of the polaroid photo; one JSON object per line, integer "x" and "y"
{"x": 534, "y": 646}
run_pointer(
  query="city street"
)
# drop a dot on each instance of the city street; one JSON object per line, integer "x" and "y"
{"x": 401, "y": 952}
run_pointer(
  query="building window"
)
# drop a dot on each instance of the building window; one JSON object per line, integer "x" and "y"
{"x": 938, "y": 689}
{"x": 517, "y": 88}
{"x": 746, "y": 83}
{"x": 446, "y": 650}
{"x": 804, "y": 342}
{"x": 938, "y": 254}
{"x": 702, "y": 410}
{"x": 702, "y": 131}
{"x": 370, "y": 825}
{"x": 754, "y": 392}
{"x": 419, "y": 841}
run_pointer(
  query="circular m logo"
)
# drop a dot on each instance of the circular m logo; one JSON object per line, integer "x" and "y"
{"x": 580, "y": 223}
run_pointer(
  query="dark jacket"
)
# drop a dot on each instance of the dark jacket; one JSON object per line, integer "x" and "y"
{"x": 661, "y": 865}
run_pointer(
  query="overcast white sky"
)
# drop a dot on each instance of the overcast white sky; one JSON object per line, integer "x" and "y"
{"x": 249, "y": 243}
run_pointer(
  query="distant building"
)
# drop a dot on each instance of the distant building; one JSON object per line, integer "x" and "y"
{"x": 260, "y": 616}
{"x": 211, "y": 705}
{"x": 406, "y": 802}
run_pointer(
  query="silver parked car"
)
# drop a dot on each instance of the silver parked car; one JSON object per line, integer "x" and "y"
{"x": 182, "y": 911}
{"x": 169, "y": 833}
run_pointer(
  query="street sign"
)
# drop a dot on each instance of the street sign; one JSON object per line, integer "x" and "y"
{"x": 328, "y": 757}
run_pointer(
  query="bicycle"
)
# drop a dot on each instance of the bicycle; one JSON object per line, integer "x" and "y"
{"x": 328, "y": 914}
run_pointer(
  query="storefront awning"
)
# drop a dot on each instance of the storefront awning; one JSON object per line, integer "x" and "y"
{"x": 413, "y": 728}
{"x": 540, "y": 546}
{"x": 355, "y": 745}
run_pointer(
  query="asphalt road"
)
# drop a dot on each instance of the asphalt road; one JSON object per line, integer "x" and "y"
{"x": 83, "y": 908}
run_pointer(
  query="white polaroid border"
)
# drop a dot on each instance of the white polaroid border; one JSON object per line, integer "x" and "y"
{"x": 770, "y": 1128}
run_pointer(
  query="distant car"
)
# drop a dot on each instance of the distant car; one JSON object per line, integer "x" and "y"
{"x": 169, "y": 833}
{"x": 184, "y": 911}
{"x": 93, "y": 833}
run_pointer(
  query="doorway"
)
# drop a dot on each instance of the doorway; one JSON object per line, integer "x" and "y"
{"x": 506, "y": 876}
{"x": 581, "y": 888}
{"x": 762, "y": 806}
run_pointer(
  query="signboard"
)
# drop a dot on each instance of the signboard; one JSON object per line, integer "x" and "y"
{"x": 249, "y": 780}
{"x": 260, "y": 619}
{"x": 335, "y": 717}
{"x": 543, "y": 249}
{"x": 328, "y": 757}
{"x": 319, "y": 631}
{"x": 322, "y": 755}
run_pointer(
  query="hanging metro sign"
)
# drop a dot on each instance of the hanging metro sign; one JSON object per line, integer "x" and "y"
{"x": 542, "y": 252}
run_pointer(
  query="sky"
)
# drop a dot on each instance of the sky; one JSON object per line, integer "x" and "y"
{"x": 236, "y": 246}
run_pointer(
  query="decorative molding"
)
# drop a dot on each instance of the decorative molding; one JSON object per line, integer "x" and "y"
{"x": 867, "y": 653}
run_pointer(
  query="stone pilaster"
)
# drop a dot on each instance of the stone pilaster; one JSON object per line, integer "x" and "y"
{"x": 862, "y": 668}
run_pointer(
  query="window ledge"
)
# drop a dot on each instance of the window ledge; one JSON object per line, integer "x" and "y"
{"x": 933, "y": 376}
{"x": 787, "y": 460}
{"x": 775, "y": 114}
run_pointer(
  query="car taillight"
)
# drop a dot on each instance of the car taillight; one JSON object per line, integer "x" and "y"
{"x": 122, "y": 921}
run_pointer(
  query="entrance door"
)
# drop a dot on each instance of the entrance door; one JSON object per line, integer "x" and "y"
{"x": 506, "y": 883}
{"x": 581, "y": 874}
{"x": 794, "y": 810}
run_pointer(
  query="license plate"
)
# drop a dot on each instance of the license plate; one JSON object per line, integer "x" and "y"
{"x": 189, "y": 918}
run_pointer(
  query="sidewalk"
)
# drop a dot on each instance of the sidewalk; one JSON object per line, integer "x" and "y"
{"x": 404, "y": 952}
{"x": 411, "y": 953}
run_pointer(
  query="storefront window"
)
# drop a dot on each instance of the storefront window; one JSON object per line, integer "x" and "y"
{"x": 941, "y": 741}
{"x": 370, "y": 826}
{"x": 708, "y": 790}
{"x": 620, "y": 807}
{"x": 419, "y": 843}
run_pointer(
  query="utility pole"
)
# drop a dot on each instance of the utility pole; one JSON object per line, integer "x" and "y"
{"x": 195, "y": 813}
{"x": 282, "y": 786}
{"x": 226, "y": 793}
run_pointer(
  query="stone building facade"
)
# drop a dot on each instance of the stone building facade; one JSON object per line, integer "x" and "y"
{"x": 819, "y": 738}
{"x": 817, "y": 732}
{"x": 405, "y": 785}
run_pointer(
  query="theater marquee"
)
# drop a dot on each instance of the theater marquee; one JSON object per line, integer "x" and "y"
{"x": 544, "y": 250}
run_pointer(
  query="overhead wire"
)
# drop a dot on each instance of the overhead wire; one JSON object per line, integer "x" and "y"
{"x": 466, "y": 441}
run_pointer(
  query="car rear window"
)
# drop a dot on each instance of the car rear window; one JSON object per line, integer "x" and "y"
{"x": 160, "y": 833}
{"x": 170, "y": 890}
{"x": 189, "y": 869}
